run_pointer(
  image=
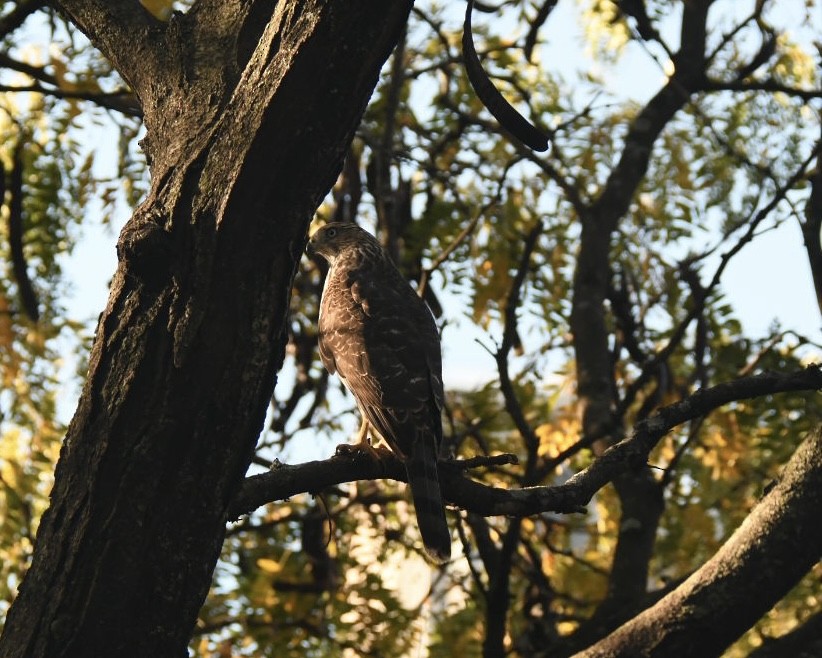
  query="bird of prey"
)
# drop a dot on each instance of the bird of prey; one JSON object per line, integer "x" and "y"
{"x": 381, "y": 339}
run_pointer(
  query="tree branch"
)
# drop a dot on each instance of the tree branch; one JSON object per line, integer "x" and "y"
{"x": 813, "y": 224}
{"x": 512, "y": 404}
{"x": 126, "y": 33}
{"x": 590, "y": 287}
{"x": 17, "y": 16}
{"x": 771, "y": 86}
{"x": 25, "y": 288}
{"x": 121, "y": 101}
{"x": 776, "y": 545}
{"x": 36, "y": 72}
{"x": 285, "y": 481}
{"x": 699, "y": 299}
{"x": 533, "y": 30}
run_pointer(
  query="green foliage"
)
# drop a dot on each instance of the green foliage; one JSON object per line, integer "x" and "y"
{"x": 284, "y": 584}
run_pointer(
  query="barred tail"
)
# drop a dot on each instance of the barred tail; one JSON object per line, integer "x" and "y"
{"x": 421, "y": 466}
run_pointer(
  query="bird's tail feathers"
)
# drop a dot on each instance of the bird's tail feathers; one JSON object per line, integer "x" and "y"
{"x": 421, "y": 466}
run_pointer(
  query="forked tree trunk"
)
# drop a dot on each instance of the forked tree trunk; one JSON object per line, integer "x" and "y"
{"x": 249, "y": 108}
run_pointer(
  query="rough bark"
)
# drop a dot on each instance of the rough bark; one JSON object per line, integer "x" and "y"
{"x": 776, "y": 545}
{"x": 249, "y": 108}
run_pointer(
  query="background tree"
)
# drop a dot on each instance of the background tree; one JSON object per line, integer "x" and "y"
{"x": 593, "y": 275}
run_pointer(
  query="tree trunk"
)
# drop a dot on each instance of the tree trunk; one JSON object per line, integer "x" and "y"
{"x": 640, "y": 496}
{"x": 249, "y": 108}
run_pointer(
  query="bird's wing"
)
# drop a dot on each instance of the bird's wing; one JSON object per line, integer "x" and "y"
{"x": 400, "y": 373}
{"x": 327, "y": 353}
{"x": 401, "y": 341}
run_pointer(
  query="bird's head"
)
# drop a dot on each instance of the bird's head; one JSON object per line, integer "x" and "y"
{"x": 336, "y": 238}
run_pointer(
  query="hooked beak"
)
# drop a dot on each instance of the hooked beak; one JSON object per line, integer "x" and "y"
{"x": 310, "y": 251}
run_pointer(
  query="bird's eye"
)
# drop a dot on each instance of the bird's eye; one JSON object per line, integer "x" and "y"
{"x": 331, "y": 232}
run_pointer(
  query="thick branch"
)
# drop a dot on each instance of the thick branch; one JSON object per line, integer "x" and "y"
{"x": 776, "y": 545}
{"x": 128, "y": 35}
{"x": 689, "y": 76}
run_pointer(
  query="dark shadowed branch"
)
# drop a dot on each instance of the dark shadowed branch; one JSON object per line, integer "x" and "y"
{"x": 17, "y": 16}
{"x": 535, "y": 24}
{"x": 509, "y": 341}
{"x": 36, "y": 72}
{"x": 284, "y": 481}
{"x": 121, "y": 101}
{"x": 772, "y": 86}
{"x": 813, "y": 224}
{"x": 25, "y": 288}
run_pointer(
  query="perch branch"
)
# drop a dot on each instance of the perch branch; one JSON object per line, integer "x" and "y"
{"x": 284, "y": 481}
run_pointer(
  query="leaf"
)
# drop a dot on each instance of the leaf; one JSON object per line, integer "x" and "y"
{"x": 269, "y": 566}
{"x": 160, "y": 9}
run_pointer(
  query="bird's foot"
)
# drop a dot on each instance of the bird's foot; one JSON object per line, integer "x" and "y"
{"x": 363, "y": 447}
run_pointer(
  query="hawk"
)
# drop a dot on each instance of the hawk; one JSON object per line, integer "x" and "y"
{"x": 380, "y": 338}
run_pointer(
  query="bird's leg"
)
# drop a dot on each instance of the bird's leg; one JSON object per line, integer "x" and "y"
{"x": 362, "y": 435}
{"x": 362, "y": 444}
